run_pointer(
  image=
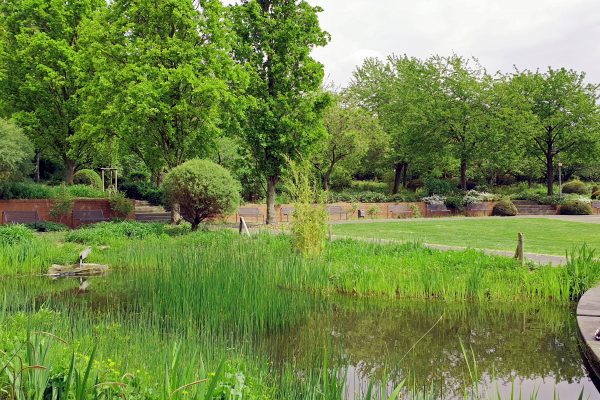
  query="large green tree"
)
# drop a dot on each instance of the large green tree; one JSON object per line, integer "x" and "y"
{"x": 275, "y": 38}
{"x": 566, "y": 116}
{"x": 160, "y": 79}
{"x": 348, "y": 131}
{"x": 40, "y": 82}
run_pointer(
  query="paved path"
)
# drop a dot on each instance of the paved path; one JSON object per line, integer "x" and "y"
{"x": 538, "y": 258}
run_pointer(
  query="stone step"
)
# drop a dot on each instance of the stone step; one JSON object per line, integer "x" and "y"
{"x": 143, "y": 207}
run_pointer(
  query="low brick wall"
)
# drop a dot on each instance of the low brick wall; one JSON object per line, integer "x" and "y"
{"x": 382, "y": 211}
{"x": 43, "y": 208}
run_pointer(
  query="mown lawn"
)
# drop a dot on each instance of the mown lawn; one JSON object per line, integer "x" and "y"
{"x": 544, "y": 236}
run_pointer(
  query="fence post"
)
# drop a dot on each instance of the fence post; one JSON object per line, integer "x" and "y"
{"x": 520, "y": 253}
{"x": 243, "y": 227}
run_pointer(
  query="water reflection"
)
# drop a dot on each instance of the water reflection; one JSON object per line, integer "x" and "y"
{"x": 526, "y": 349}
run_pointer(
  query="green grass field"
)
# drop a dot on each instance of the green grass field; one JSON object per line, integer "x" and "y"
{"x": 543, "y": 236}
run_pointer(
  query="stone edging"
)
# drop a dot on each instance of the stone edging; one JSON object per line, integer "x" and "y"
{"x": 588, "y": 321}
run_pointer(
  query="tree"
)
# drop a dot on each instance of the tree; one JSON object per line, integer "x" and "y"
{"x": 40, "y": 82}
{"x": 566, "y": 116}
{"x": 160, "y": 79}
{"x": 284, "y": 118}
{"x": 203, "y": 190}
{"x": 348, "y": 128}
{"x": 16, "y": 151}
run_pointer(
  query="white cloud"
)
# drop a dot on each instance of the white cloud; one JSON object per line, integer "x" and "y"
{"x": 527, "y": 33}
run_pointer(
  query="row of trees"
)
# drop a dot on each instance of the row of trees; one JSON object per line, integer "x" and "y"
{"x": 161, "y": 82}
{"x": 447, "y": 114}
{"x": 91, "y": 81}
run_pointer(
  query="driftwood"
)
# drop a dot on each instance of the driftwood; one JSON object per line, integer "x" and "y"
{"x": 76, "y": 270}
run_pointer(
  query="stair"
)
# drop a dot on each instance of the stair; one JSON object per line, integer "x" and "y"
{"x": 143, "y": 207}
{"x": 532, "y": 208}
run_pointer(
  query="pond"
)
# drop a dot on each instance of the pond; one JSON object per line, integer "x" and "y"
{"x": 432, "y": 346}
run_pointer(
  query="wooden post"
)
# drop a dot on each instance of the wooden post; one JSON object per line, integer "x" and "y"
{"x": 520, "y": 252}
{"x": 243, "y": 227}
{"x": 103, "y": 189}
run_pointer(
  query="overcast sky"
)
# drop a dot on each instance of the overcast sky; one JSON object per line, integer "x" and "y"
{"x": 501, "y": 33}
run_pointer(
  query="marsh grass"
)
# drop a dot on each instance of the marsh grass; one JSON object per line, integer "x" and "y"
{"x": 190, "y": 308}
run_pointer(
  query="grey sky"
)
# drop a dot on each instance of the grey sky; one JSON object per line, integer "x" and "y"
{"x": 500, "y": 33}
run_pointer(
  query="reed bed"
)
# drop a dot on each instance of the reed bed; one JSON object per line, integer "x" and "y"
{"x": 179, "y": 310}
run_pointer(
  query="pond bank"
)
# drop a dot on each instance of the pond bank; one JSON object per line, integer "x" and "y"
{"x": 588, "y": 321}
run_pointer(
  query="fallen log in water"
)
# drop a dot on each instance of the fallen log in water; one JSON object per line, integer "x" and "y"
{"x": 76, "y": 271}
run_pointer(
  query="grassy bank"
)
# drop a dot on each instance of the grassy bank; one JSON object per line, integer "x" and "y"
{"x": 543, "y": 236}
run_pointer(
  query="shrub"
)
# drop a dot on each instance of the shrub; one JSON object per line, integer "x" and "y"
{"x": 434, "y": 200}
{"x": 455, "y": 202}
{"x": 505, "y": 208}
{"x": 62, "y": 207}
{"x": 88, "y": 177}
{"x": 14, "y": 234}
{"x": 203, "y": 190}
{"x": 340, "y": 178}
{"x": 596, "y": 195}
{"x": 373, "y": 211}
{"x": 576, "y": 187}
{"x": 309, "y": 225}
{"x": 48, "y": 226}
{"x": 595, "y": 188}
{"x": 120, "y": 205}
{"x": 105, "y": 232}
{"x": 576, "y": 207}
{"x": 30, "y": 190}
{"x": 441, "y": 187}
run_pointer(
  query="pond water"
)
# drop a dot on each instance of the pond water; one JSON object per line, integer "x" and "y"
{"x": 430, "y": 345}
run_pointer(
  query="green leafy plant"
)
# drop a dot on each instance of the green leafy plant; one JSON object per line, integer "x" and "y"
{"x": 13, "y": 234}
{"x": 373, "y": 211}
{"x": 203, "y": 190}
{"x": 416, "y": 211}
{"x": 62, "y": 207}
{"x": 48, "y": 226}
{"x": 576, "y": 187}
{"x": 576, "y": 207}
{"x": 88, "y": 177}
{"x": 309, "y": 224}
{"x": 505, "y": 208}
{"x": 596, "y": 195}
{"x": 120, "y": 205}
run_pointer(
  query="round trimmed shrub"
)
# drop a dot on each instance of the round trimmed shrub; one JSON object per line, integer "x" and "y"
{"x": 87, "y": 177}
{"x": 203, "y": 190}
{"x": 576, "y": 187}
{"x": 576, "y": 207}
{"x": 596, "y": 195}
{"x": 505, "y": 208}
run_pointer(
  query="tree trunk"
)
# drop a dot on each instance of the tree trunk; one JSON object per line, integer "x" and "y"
{"x": 70, "y": 165}
{"x": 271, "y": 182}
{"x": 38, "y": 155}
{"x": 550, "y": 171}
{"x": 398, "y": 178}
{"x": 405, "y": 176}
{"x": 325, "y": 182}
{"x": 463, "y": 174}
{"x": 175, "y": 214}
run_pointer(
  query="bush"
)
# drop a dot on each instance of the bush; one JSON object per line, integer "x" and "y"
{"x": 88, "y": 177}
{"x": 48, "y": 226}
{"x": 340, "y": 178}
{"x": 14, "y": 234}
{"x": 203, "y": 190}
{"x": 120, "y": 205}
{"x": 455, "y": 203}
{"x": 441, "y": 187}
{"x": 62, "y": 207}
{"x": 105, "y": 232}
{"x": 576, "y": 187}
{"x": 596, "y": 195}
{"x": 505, "y": 208}
{"x": 143, "y": 191}
{"x": 576, "y": 207}
{"x": 30, "y": 190}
